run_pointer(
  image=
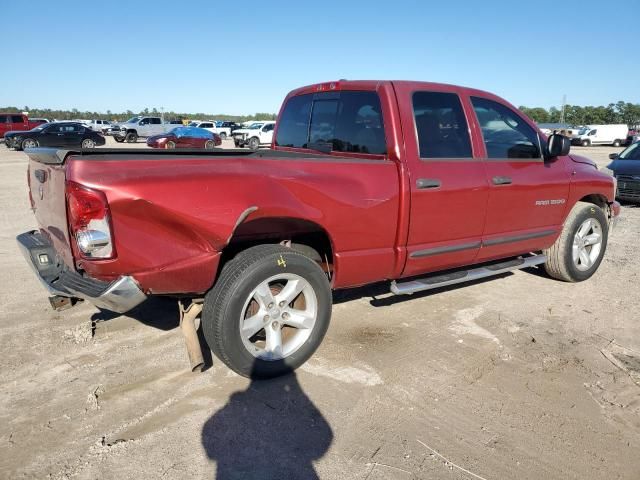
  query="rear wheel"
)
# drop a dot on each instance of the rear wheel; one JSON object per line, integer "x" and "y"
{"x": 88, "y": 143}
{"x": 254, "y": 143}
{"x": 131, "y": 137}
{"x": 617, "y": 142}
{"x": 223, "y": 136}
{"x": 268, "y": 312}
{"x": 579, "y": 249}
{"x": 29, "y": 143}
{"x": 586, "y": 143}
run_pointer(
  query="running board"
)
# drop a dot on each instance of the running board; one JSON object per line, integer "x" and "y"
{"x": 461, "y": 276}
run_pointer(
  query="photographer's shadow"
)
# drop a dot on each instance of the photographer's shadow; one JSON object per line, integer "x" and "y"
{"x": 271, "y": 430}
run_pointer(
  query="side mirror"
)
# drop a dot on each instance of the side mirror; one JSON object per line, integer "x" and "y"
{"x": 613, "y": 156}
{"x": 558, "y": 145}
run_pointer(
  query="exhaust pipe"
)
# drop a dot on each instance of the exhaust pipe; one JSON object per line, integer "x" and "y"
{"x": 189, "y": 328}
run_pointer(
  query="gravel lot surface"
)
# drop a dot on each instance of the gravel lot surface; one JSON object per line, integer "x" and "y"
{"x": 516, "y": 377}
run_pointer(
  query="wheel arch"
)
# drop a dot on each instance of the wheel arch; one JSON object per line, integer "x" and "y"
{"x": 302, "y": 235}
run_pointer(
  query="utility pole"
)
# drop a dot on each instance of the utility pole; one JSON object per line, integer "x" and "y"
{"x": 564, "y": 105}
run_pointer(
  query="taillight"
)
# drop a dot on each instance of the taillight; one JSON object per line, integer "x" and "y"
{"x": 33, "y": 204}
{"x": 89, "y": 221}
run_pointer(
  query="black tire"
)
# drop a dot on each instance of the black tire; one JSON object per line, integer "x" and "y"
{"x": 560, "y": 263}
{"x": 254, "y": 143}
{"x": 119, "y": 140}
{"x": 28, "y": 143}
{"x": 170, "y": 145}
{"x": 223, "y": 136}
{"x": 617, "y": 142}
{"x": 209, "y": 145}
{"x": 586, "y": 143}
{"x": 132, "y": 137}
{"x": 224, "y": 304}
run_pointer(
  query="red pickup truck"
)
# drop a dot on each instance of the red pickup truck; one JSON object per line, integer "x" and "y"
{"x": 10, "y": 122}
{"x": 419, "y": 184}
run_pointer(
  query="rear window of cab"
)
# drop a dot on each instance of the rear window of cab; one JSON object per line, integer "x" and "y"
{"x": 345, "y": 121}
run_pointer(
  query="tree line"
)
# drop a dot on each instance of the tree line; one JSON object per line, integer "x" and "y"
{"x": 620, "y": 112}
{"x": 122, "y": 116}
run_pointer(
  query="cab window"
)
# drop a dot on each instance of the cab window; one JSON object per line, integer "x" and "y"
{"x": 347, "y": 121}
{"x": 505, "y": 134}
{"x": 441, "y": 125}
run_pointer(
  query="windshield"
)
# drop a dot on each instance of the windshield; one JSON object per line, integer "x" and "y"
{"x": 583, "y": 131}
{"x": 631, "y": 153}
{"x": 133, "y": 120}
{"x": 255, "y": 126}
{"x": 40, "y": 127}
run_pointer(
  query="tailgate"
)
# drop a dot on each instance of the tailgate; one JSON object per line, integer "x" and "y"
{"x": 47, "y": 189}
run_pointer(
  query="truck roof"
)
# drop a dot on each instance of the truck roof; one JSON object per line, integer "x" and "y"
{"x": 338, "y": 85}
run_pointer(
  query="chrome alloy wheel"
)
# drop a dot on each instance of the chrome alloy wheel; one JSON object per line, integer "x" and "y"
{"x": 587, "y": 244}
{"x": 29, "y": 143}
{"x": 88, "y": 143}
{"x": 278, "y": 316}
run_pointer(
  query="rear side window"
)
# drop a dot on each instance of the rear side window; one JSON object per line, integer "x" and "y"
{"x": 4, "y": 118}
{"x": 155, "y": 121}
{"x": 441, "y": 125}
{"x": 338, "y": 121}
{"x": 506, "y": 134}
{"x": 16, "y": 119}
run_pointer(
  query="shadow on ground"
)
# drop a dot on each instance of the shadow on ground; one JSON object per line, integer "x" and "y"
{"x": 271, "y": 430}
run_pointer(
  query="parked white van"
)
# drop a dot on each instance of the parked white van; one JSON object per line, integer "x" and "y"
{"x": 614, "y": 135}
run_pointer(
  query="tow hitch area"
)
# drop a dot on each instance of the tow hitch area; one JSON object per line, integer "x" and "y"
{"x": 60, "y": 303}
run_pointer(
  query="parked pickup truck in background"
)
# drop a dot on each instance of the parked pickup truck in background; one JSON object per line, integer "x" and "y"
{"x": 256, "y": 135}
{"x": 421, "y": 185}
{"x": 139, "y": 127}
{"x": 12, "y": 122}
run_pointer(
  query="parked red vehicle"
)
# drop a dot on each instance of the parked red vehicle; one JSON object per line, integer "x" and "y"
{"x": 185, "y": 137}
{"x": 419, "y": 184}
{"x": 10, "y": 122}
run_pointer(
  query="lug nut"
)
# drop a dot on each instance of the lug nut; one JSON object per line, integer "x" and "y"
{"x": 282, "y": 304}
{"x": 270, "y": 306}
{"x": 267, "y": 318}
{"x": 275, "y": 325}
{"x": 285, "y": 315}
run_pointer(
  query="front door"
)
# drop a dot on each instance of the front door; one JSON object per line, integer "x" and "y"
{"x": 527, "y": 195}
{"x": 448, "y": 184}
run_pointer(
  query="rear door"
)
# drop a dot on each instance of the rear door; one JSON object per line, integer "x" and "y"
{"x": 448, "y": 185}
{"x": 266, "y": 135}
{"x": 527, "y": 196}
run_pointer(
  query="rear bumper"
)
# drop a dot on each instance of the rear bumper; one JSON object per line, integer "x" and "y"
{"x": 119, "y": 296}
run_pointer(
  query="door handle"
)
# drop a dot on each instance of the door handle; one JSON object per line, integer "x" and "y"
{"x": 424, "y": 183}
{"x": 502, "y": 180}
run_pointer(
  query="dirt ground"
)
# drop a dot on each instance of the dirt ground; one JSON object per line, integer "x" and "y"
{"x": 516, "y": 377}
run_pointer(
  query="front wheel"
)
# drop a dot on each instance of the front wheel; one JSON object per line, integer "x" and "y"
{"x": 578, "y": 251}
{"x": 586, "y": 143}
{"x": 617, "y": 142}
{"x": 131, "y": 137}
{"x": 119, "y": 140}
{"x": 29, "y": 143}
{"x": 254, "y": 143}
{"x": 209, "y": 145}
{"x": 268, "y": 312}
{"x": 223, "y": 136}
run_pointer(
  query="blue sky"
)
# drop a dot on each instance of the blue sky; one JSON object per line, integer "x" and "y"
{"x": 243, "y": 57}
